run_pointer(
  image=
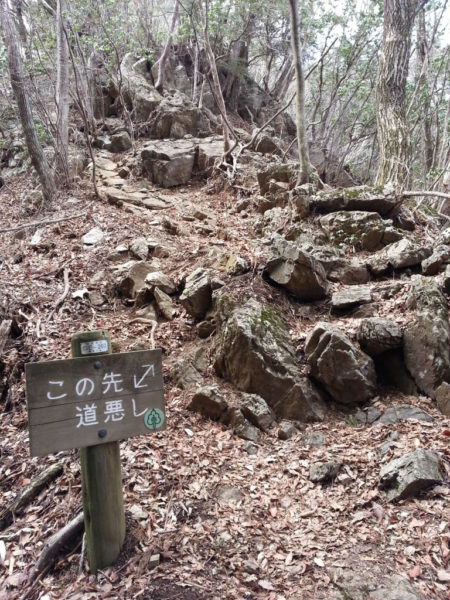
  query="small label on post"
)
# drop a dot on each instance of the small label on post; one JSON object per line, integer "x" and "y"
{"x": 94, "y": 347}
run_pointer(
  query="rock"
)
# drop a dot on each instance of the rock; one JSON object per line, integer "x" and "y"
{"x": 348, "y": 272}
{"x": 256, "y": 410}
{"x": 377, "y": 335}
{"x": 297, "y": 271}
{"x": 403, "y": 412}
{"x": 96, "y": 298}
{"x": 426, "y": 340}
{"x": 367, "y": 415}
{"x": 254, "y": 351}
{"x": 164, "y": 303}
{"x": 446, "y": 281}
{"x": 405, "y": 253}
{"x": 170, "y": 226}
{"x": 162, "y": 281}
{"x": 130, "y": 285}
{"x": 236, "y": 265}
{"x": 277, "y": 172}
{"x": 389, "y": 443}
{"x": 403, "y": 218}
{"x": 209, "y": 152}
{"x": 92, "y": 237}
{"x": 188, "y": 371}
{"x": 176, "y": 116}
{"x": 322, "y": 472}
{"x": 240, "y": 425}
{"x": 119, "y": 142}
{"x": 362, "y": 230}
{"x": 169, "y": 163}
{"x": 350, "y": 297}
{"x": 362, "y": 585}
{"x": 197, "y": 295}
{"x": 409, "y": 475}
{"x": 228, "y": 494}
{"x": 139, "y": 248}
{"x": 443, "y": 398}
{"x": 209, "y": 402}
{"x": 130, "y": 199}
{"x": 355, "y": 198}
{"x": 251, "y": 449}
{"x": 314, "y": 439}
{"x": 206, "y": 328}
{"x": 138, "y": 91}
{"x": 286, "y": 430}
{"x": 364, "y": 311}
{"x": 161, "y": 251}
{"x": 266, "y": 145}
{"x": 432, "y": 265}
{"x": 347, "y": 373}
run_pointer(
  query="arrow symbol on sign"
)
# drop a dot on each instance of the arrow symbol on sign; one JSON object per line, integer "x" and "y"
{"x": 139, "y": 384}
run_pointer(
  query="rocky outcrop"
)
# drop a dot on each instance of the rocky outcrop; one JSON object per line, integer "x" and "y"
{"x": 176, "y": 116}
{"x": 355, "y": 198}
{"x": 407, "y": 476}
{"x": 360, "y": 229}
{"x": 138, "y": 91}
{"x": 347, "y": 374}
{"x": 169, "y": 163}
{"x": 296, "y": 271}
{"x": 427, "y": 338}
{"x": 254, "y": 351}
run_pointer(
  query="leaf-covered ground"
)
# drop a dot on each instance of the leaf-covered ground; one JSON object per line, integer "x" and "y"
{"x": 222, "y": 523}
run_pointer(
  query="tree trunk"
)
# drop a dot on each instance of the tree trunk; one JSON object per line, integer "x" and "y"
{"x": 62, "y": 97}
{"x": 26, "y": 117}
{"x": 423, "y": 66}
{"x": 393, "y": 135}
{"x": 163, "y": 59}
{"x": 303, "y": 152}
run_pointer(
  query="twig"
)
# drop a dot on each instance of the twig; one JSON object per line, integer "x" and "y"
{"x": 63, "y": 296}
{"x": 46, "y": 221}
{"x": 30, "y": 492}
{"x": 426, "y": 193}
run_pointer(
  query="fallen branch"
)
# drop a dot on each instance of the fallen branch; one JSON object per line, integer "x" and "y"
{"x": 409, "y": 194}
{"x": 63, "y": 296}
{"x": 46, "y": 222}
{"x": 30, "y": 492}
{"x": 56, "y": 543}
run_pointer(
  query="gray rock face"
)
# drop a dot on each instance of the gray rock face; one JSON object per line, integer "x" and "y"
{"x": 164, "y": 303}
{"x": 235, "y": 419}
{"x": 188, "y": 371}
{"x": 160, "y": 280}
{"x": 349, "y": 272}
{"x": 377, "y": 335}
{"x": 138, "y": 91}
{"x": 426, "y": 340}
{"x": 176, "y": 116}
{"x": 286, "y": 430}
{"x": 314, "y": 439}
{"x": 197, "y": 295}
{"x": 254, "y": 351}
{"x": 432, "y": 265}
{"x": 443, "y": 398}
{"x": 277, "y": 172}
{"x": 362, "y": 230}
{"x": 134, "y": 280}
{"x": 350, "y": 297}
{"x": 169, "y": 163}
{"x": 209, "y": 151}
{"x": 209, "y": 402}
{"x": 139, "y": 248}
{"x": 256, "y": 410}
{"x": 321, "y": 472}
{"x": 355, "y": 198}
{"x": 395, "y": 414}
{"x": 407, "y": 476}
{"x": 93, "y": 237}
{"x": 120, "y": 142}
{"x": 347, "y": 373}
{"x": 297, "y": 271}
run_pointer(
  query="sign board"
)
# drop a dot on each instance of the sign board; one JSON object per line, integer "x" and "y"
{"x": 94, "y": 399}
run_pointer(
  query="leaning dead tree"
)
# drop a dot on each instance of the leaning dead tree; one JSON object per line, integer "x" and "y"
{"x": 37, "y": 155}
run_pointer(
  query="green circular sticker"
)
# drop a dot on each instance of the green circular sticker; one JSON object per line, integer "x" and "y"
{"x": 154, "y": 418}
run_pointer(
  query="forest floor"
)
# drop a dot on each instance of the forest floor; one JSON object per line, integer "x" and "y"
{"x": 274, "y": 535}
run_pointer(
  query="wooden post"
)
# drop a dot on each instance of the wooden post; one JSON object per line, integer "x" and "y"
{"x": 101, "y": 476}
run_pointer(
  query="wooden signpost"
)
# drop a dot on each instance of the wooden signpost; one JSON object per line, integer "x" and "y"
{"x": 90, "y": 402}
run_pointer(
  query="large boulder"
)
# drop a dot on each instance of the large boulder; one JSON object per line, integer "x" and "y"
{"x": 254, "y": 351}
{"x": 284, "y": 173}
{"x": 360, "y": 229}
{"x": 405, "y": 253}
{"x": 138, "y": 91}
{"x": 176, "y": 116}
{"x": 427, "y": 338}
{"x": 377, "y": 335}
{"x": 407, "y": 476}
{"x": 169, "y": 163}
{"x": 197, "y": 295}
{"x": 355, "y": 198}
{"x": 297, "y": 271}
{"x": 345, "y": 371}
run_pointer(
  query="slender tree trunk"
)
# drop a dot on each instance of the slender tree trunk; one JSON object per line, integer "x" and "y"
{"x": 161, "y": 64}
{"x": 215, "y": 76}
{"x": 393, "y": 136}
{"x": 62, "y": 97}
{"x": 303, "y": 152}
{"x": 423, "y": 65}
{"x": 37, "y": 155}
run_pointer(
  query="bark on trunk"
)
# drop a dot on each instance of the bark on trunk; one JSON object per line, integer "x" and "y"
{"x": 62, "y": 98}
{"x": 163, "y": 59}
{"x": 423, "y": 65}
{"x": 303, "y": 152}
{"x": 37, "y": 156}
{"x": 392, "y": 130}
